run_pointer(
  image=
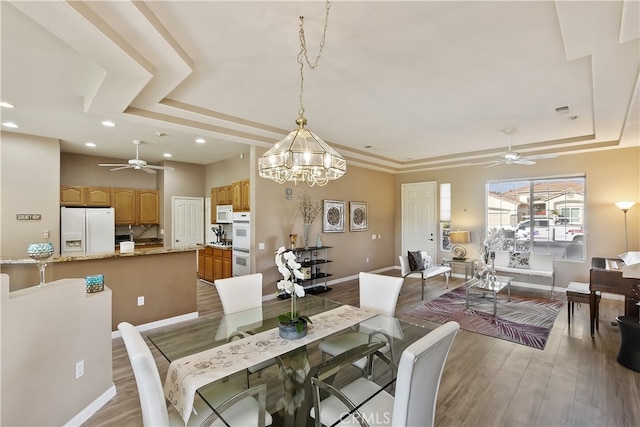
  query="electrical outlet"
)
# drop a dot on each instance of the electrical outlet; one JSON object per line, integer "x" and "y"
{"x": 46, "y": 234}
{"x": 367, "y": 260}
{"x": 79, "y": 369}
{"x": 140, "y": 301}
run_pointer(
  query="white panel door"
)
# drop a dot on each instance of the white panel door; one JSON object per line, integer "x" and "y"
{"x": 419, "y": 218}
{"x": 188, "y": 221}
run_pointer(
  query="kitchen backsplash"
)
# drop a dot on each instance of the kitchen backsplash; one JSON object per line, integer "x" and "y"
{"x": 139, "y": 231}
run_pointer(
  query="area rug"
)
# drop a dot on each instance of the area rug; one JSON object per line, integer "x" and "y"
{"x": 526, "y": 321}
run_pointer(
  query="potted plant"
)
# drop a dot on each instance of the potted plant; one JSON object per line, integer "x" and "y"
{"x": 292, "y": 325}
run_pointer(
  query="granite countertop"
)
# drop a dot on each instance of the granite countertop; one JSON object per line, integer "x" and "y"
{"x": 117, "y": 254}
{"x": 219, "y": 246}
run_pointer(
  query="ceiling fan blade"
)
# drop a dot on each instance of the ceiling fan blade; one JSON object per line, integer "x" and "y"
{"x": 120, "y": 167}
{"x": 159, "y": 167}
{"x": 148, "y": 170}
{"x": 111, "y": 164}
{"x": 523, "y": 161}
{"x": 494, "y": 164}
{"x": 541, "y": 156}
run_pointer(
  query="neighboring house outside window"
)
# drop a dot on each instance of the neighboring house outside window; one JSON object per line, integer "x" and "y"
{"x": 539, "y": 215}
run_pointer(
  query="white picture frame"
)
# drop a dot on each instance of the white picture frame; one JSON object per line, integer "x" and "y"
{"x": 358, "y": 216}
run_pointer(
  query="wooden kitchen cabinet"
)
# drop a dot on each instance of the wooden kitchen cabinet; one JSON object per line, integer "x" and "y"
{"x": 201, "y": 263}
{"x": 136, "y": 207}
{"x": 124, "y": 203}
{"x": 245, "y": 192}
{"x": 218, "y": 271}
{"x": 72, "y": 195}
{"x": 224, "y": 195}
{"x": 240, "y": 194}
{"x": 227, "y": 270}
{"x": 214, "y": 205}
{"x": 208, "y": 264}
{"x": 148, "y": 207}
{"x": 77, "y": 195}
{"x": 98, "y": 196}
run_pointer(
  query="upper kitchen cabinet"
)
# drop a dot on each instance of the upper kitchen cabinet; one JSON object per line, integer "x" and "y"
{"x": 148, "y": 207}
{"x": 98, "y": 196}
{"x": 136, "y": 207}
{"x": 240, "y": 193}
{"x": 75, "y": 195}
{"x": 224, "y": 195}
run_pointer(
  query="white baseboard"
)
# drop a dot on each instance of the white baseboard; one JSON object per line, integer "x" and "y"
{"x": 93, "y": 407}
{"x": 159, "y": 323}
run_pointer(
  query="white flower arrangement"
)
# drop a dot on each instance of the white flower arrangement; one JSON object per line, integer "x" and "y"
{"x": 289, "y": 267}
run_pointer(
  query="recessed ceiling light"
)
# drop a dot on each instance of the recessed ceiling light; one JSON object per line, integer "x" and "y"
{"x": 167, "y": 155}
{"x": 6, "y": 105}
{"x": 108, "y": 123}
{"x": 90, "y": 144}
{"x": 10, "y": 125}
{"x": 200, "y": 141}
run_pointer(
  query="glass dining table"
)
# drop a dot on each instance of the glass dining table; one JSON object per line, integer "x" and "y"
{"x": 231, "y": 343}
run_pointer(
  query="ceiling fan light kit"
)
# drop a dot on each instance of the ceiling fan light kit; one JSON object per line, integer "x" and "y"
{"x": 137, "y": 163}
{"x": 512, "y": 157}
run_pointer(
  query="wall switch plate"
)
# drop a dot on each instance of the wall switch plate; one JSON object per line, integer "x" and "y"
{"x": 140, "y": 301}
{"x": 373, "y": 237}
{"x": 79, "y": 369}
{"x": 261, "y": 246}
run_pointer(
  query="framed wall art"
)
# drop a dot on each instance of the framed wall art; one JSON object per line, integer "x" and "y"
{"x": 333, "y": 216}
{"x": 358, "y": 214}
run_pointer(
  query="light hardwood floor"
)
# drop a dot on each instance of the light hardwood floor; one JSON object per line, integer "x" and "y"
{"x": 574, "y": 381}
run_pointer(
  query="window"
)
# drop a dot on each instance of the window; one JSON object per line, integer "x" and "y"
{"x": 445, "y": 215}
{"x": 541, "y": 215}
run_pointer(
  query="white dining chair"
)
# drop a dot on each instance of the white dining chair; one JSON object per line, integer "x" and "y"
{"x": 237, "y": 406}
{"x": 416, "y": 388}
{"x": 242, "y": 293}
{"x": 379, "y": 294}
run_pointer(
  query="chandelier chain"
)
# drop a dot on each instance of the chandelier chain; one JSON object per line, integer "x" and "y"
{"x": 303, "y": 55}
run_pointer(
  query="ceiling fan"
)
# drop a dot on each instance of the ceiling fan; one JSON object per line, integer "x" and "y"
{"x": 136, "y": 163}
{"x": 511, "y": 157}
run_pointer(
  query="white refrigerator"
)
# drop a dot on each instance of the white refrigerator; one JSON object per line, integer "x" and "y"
{"x": 85, "y": 231}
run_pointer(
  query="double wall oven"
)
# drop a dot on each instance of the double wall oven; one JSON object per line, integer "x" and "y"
{"x": 241, "y": 243}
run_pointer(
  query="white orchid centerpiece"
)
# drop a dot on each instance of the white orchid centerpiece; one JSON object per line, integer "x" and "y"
{"x": 289, "y": 267}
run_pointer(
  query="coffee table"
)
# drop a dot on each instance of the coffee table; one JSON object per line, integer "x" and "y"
{"x": 485, "y": 286}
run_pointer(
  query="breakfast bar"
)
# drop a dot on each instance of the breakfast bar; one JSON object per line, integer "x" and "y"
{"x": 148, "y": 285}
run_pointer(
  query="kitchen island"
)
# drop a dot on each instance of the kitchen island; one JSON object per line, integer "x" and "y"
{"x": 164, "y": 277}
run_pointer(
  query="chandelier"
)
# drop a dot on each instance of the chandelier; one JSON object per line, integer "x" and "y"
{"x": 302, "y": 156}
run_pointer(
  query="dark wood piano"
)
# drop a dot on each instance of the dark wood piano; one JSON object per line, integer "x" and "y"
{"x": 606, "y": 276}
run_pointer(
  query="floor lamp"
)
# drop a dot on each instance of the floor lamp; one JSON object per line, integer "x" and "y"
{"x": 625, "y": 206}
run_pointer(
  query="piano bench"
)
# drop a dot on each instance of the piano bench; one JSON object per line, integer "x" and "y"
{"x": 579, "y": 293}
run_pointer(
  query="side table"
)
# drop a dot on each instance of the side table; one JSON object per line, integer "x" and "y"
{"x": 629, "y": 353}
{"x": 469, "y": 265}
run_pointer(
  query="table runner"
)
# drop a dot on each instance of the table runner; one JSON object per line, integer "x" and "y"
{"x": 187, "y": 374}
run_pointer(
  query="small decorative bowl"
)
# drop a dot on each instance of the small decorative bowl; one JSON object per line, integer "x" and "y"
{"x": 95, "y": 283}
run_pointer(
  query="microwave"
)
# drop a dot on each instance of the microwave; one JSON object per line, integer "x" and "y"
{"x": 224, "y": 214}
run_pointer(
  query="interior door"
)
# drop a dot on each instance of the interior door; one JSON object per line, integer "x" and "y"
{"x": 188, "y": 221}
{"x": 419, "y": 218}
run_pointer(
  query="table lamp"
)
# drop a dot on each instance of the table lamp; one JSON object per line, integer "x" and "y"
{"x": 624, "y": 207}
{"x": 458, "y": 239}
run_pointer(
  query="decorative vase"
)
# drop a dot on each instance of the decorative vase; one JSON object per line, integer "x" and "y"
{"x": 319, "y": 242}
{"x": 290, "y": 332}
{"x": 305, "y": 230}
{"x": 40, "y": 252}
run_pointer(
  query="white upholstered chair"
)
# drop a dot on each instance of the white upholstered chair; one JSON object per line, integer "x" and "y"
{"x": 242, "y": 293}
{"x": 378, "y": 293}
{"x": 237, "y": 406}
{"x": 416, "y": 388}
{"x": 429, "y": 271}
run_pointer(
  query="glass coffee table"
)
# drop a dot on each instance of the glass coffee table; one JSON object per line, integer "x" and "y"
{"x": 488, "y": 286}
